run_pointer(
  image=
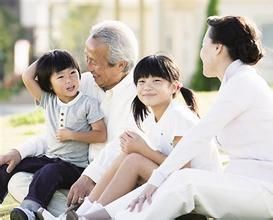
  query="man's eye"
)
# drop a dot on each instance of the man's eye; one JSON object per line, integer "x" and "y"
{"x": 60, "y": 77}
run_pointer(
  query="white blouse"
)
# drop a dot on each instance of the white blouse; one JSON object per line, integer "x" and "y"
{"x": 242, "y": 120}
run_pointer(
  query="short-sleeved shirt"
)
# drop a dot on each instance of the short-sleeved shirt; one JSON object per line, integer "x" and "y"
{"x": 175, "y": 121}
{"x": 76, "y": 115}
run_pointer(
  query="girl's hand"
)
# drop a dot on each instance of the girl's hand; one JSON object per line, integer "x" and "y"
{"x": 140, "y": 200}
{"x": 64, "y": 134}
{"x": 131, "y": 142}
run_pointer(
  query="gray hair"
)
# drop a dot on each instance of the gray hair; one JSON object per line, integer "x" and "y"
{"x": 120, "y": 40}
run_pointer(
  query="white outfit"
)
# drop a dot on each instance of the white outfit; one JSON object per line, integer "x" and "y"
{"x": 116, "y": 106}
{"x": 177, "y": 120}
{"x": 242, "y": 119}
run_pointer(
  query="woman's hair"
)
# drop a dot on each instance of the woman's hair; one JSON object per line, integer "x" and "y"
{"x": 121, "y": 42}
{"x": 53, "y": 61}
{"x": 163, "y": 67}
{"x": 239, "y": 35}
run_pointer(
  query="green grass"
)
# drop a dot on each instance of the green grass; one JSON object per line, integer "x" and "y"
{"x": 32, "y": 118}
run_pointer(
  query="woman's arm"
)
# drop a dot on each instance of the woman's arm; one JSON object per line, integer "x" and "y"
{"x": 31, "y": 84}
{"x": 98, "y": 134}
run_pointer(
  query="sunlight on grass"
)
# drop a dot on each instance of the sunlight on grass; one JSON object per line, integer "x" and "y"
{"x": 36, "y": 117}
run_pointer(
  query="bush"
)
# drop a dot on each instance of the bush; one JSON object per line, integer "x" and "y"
{"x": 36, "y": 117}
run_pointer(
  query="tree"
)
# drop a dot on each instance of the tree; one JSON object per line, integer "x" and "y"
{"x": 75, "y": 29}
{"x": 199, "y": 81}
{"x": 10, "y": 31}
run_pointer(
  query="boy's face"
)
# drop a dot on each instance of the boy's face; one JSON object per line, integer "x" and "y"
{"x": 65, "y": 84}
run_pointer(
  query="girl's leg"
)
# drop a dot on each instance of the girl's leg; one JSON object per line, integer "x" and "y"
{"x": 134, "y": 167}
{"x": 106, "y": 178}
{"x": 221, "y": 196}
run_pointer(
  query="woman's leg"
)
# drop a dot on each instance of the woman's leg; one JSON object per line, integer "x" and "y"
{"x": 216, "y": 195}
{"x": 106, "y": 178}
{"x": 134, "y": 167}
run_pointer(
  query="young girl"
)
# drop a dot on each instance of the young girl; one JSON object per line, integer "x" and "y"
{"x": 242, "y": 119}
{"x": 163, "y": 120}
{"x": 73, "y": 121}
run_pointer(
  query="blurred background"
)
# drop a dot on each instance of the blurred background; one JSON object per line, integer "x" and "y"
{"x": 28, "y": 28}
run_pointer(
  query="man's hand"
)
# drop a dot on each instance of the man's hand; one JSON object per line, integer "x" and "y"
{"x": 81, "y": 188}
{"x": 11, "y": 158}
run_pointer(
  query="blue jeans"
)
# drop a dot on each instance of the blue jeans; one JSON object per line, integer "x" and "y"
{"x": 50, "y": 174}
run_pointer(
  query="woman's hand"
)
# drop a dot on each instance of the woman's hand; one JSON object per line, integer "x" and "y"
{"x": 131, "y": 142}
{"x": 140, "y": 200}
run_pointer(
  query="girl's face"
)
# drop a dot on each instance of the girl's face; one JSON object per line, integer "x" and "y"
{"x": 65, "y": 84}
{"x": 208, "y": 54}
{"x": 155, "y": 92}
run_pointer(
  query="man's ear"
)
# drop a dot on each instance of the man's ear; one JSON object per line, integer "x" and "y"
{"x": 122, "y": 65}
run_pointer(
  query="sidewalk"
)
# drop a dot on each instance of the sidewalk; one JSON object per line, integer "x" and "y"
{"x": 17, "y": 104}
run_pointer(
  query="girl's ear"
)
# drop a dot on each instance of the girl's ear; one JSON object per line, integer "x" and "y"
{"x": 176, "y": 86}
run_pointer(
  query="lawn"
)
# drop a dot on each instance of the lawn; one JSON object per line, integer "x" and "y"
{"x": 17, "y": 128}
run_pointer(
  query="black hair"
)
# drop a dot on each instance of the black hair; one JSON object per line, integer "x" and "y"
{"x": 53, "y": 61}
{"x": 163, "y": 67}
{"x": 240, "y": 36}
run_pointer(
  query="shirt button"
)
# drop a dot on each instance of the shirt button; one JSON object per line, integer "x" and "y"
{"x": 62, "y": 113}
{"x": 161, "y": 133}
{"x": 62, "y": 119}
{"x": 61, "y": 125}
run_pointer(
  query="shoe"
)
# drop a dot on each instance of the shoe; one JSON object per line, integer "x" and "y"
{"x": 23, "y": 214}
{"x": 71, "y": 215}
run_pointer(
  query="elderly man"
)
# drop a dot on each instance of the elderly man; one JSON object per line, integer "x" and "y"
{"x": 111, "y": 52}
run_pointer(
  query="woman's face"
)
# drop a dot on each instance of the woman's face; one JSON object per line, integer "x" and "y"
{"x": 208, "y": 56}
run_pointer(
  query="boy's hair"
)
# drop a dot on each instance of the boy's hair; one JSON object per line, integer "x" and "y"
{"x": 51, "y": 62}
{"x": 163, "y": 67}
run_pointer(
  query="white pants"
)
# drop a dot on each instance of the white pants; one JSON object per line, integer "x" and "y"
{"x": 222, "y": 196}
{"x": 18, "y": 188}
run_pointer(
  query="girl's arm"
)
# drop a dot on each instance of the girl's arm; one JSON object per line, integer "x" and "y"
{"x": 31, "y": 84}
{"x": 98, "y": 134}
{"x": 133, "y": 143}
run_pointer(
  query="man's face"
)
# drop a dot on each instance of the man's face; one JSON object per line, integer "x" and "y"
{"x": 105, "y": 74}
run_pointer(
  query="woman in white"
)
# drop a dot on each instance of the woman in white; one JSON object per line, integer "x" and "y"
{"x": 242, "y": 120}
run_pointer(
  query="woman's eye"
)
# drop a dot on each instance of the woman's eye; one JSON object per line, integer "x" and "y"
{"x": 60, "y": 77}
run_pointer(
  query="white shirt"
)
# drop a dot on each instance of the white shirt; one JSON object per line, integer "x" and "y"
{"x": 242, "y": 119}
{"x": 177, "y": 120}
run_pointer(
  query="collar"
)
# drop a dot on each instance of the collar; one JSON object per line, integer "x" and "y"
{"x": 72, "y": 102}
{"x": 231, "y": 70}
{"x": 125, "y": 82}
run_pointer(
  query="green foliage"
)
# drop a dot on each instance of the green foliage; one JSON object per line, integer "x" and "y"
{"x": 199, "y": 81}
{"x": 36, "y": 117}
{"x": 10, "y": 30}
{"x": 75, "y": 29}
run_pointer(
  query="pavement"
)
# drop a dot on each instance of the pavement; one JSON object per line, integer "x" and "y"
{"x": 21, "y": 103}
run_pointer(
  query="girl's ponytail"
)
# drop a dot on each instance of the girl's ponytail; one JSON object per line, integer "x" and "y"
{"x": 189, "y": 99}
{"x": 140, "y": 111}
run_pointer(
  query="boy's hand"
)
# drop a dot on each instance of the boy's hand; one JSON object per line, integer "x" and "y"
{"x": 11, "y": 158}
{"x": 64, "y": 134}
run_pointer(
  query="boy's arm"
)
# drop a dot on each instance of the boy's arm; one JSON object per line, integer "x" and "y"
{"x": 31, "y": 84}
{"x": 98, "y": 134}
